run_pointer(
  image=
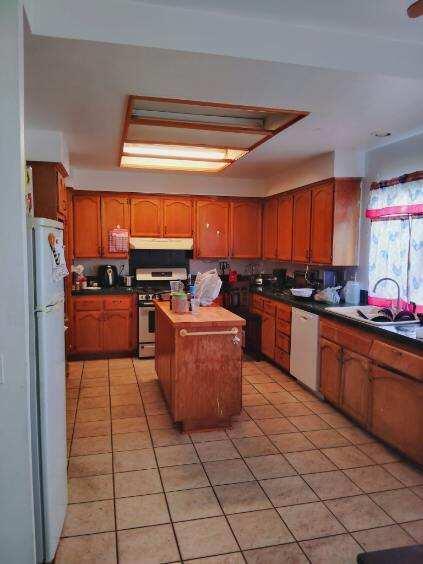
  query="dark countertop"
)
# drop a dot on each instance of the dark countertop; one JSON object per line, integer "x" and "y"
{"x": 403, "y": 334}
{"x": 105, "y": 291}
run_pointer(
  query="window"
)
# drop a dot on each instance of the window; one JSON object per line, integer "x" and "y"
{"x": 396, "y": 241}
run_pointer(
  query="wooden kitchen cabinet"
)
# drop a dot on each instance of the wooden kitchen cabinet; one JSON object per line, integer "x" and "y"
{"x": 245, "y": 227}
{"x": 270, "y": 228}
{"x": 301, "y": 226}
{"x": 321, "y": 223}
{"x": 268, "y": 325}
{"x": 114, "y": 213}
{"x": 104, "y": 325}
{"x": 177, "y": 217}
{"x": 330, "y": 370}
{"x": 212, "y": 229}
{"x": 285, "y": 212}
{"x": 396, "y": 413}
{"x": 146, "y": 216}
{"x": 88, "y": 332}
{"x": 86, "y": 226}
{"x": 49, "y": 190}
{"x": 355, "y": 386}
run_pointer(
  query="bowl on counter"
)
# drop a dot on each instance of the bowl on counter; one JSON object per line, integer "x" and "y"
{"x": 302, "y": 292}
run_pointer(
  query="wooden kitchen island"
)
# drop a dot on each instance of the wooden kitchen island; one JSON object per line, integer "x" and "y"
{"x": 199, "y": 364}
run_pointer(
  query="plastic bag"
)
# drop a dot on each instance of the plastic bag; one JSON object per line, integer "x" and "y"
{"x": 207, "y": 286}
{"x": 329, "y": 294}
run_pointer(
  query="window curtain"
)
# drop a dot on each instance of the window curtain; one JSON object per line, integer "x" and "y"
{"x": 396, "y": 242}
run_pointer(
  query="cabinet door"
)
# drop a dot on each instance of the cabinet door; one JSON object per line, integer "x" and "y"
{"x": 285, "y": 211}
{"x": 177, "y": 217}
{"x": 245, "y": 229}
{"x": 301, "y": 227}
{"x": 88, "y": 332}
{"x": 146, "y": 217}
{"x": 86, "y": 226}
{"x": 330, "y": 370}
{"x": 117, "y": 331}
{"x": 322, "y": 224}
{"x": 270, "y": 228}
{"x": 396, "y": 413}
{"x": 114, "y": 213}
{"x": 62, "y": 197}
{"x": 355, "y": 386}
{"x": 268, "y": 335}
{"x": 212, "y": 228}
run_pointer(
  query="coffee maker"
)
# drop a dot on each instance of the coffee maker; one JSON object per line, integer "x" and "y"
{"x": 280, "y": 275}
{"x": 107, "y": 275}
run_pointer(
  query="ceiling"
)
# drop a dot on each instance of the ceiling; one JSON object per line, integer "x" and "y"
{"x": 81, "y": 87}
{"x": 384, "y": 18}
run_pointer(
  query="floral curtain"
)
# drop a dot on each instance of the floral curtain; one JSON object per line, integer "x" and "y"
{"x": 396, "y": 243}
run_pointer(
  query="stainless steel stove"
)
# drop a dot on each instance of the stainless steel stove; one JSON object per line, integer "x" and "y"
{"x": 150, "y": 283}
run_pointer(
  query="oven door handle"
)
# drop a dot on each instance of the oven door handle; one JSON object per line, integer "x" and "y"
{"x": 151, "y": 321}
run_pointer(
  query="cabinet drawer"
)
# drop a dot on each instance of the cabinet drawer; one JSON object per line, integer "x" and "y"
{"x": 283, "y": 341}
{"x": 282, "y": 358}
{"x": 257, "y": 301}
{"x": 269, "y": 307}
{"x": 353, "y": 339}
{"x": 283, "y": 326}
{"x": 408, "y": 362}
{"x": 88, "y": 304}
{"x": 283, "y": 312}
{"x": 121, "y": 302}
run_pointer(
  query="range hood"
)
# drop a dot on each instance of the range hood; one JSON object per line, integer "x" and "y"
{"x": 161, "y": 243}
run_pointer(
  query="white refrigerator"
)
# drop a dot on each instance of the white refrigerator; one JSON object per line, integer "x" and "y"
{"x": 48, "y": 389}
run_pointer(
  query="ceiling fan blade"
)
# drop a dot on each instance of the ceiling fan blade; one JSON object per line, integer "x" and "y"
{"x": 416, "y": 9}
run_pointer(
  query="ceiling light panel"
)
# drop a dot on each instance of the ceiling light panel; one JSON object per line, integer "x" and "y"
{"x": 182, "y": 151}
{"x": 184, "y": 165}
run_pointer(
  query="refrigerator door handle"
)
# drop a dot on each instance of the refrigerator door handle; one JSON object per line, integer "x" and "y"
{"x": 51, "y": 307}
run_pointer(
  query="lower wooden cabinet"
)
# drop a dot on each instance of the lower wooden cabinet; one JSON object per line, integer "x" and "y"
{"x": 330, "y": 370}
{"x": 396, "y": 411}
{"x": 268, "y": 335}
{"x": 103, "y": 325}
{"x": 355, "y": 388}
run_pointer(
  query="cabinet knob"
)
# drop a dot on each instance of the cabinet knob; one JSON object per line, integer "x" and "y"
{"x": 207, "y": 225}
{"x": 218, "y": 233}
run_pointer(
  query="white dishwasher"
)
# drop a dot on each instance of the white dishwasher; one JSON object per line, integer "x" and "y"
{"x": 305, "y": 362}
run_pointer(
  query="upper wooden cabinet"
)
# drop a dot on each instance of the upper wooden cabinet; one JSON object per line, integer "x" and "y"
{"x": 49, "y": 190}
{"x": 270, "y": 228}
{"x": 321, "y": 224}
{"x": 285, "y": 209}
{"x": 114, "y": 213}
{"x": 177, "y": 217}
{"x": 86, "y": 226}
{"x": 326, "y": 223}
{"x": 146, "y": 216}
{"x": 212, "y": 229}
{"x": 301, "y": 226}
{"x": 245, "y": 229}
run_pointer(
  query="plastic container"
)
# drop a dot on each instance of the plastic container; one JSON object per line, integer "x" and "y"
{"x": 179, "y": 302}
{"x": 352, "y": 292}
{"x": 195, "y": 306}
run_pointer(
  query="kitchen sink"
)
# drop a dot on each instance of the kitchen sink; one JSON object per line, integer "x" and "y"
{"x": 369, "y": 311}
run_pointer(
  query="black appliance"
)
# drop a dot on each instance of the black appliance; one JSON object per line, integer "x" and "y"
{"x": 280, "y": 275}
{"x": 107, "y": 275}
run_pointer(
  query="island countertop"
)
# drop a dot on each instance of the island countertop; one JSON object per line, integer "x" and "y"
{"x": 210, "y": 316}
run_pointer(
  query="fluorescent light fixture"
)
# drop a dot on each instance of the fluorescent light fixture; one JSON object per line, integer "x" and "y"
{"x": 186, "y": 165}
{"x": 182, "y": 151}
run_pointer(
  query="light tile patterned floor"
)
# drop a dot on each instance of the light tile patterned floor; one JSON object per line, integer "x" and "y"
{"x": 293, "y": 480}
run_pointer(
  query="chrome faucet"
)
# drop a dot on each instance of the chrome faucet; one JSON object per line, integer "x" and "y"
{"x": 398, "y": 289}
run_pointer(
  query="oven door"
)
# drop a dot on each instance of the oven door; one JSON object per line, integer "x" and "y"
{"x": 146, "y": 324}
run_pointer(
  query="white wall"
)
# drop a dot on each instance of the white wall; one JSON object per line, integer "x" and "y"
{"x": 300, "y": 174}
{"x": 182, "y": 183}
{"x": 386, "y": 162}
{"x": 17, "y": 542}
{"x": 46, "y": 146}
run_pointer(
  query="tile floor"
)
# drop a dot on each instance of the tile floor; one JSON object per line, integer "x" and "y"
{"x": 293, "y": 481}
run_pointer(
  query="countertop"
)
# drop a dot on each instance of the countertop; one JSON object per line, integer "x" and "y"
{"x": 216, "y": 316}
{"x": 105, "y": 291}
{"x": 403, "y": 334}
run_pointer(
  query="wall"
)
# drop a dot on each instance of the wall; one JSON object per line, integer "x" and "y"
{"x": 46, "y": 146}
{"x": 300, "y": 174}
{"x": 17, "y": 540}
{"x": 383, "y": 163}
{"x": 121, "y": 180}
